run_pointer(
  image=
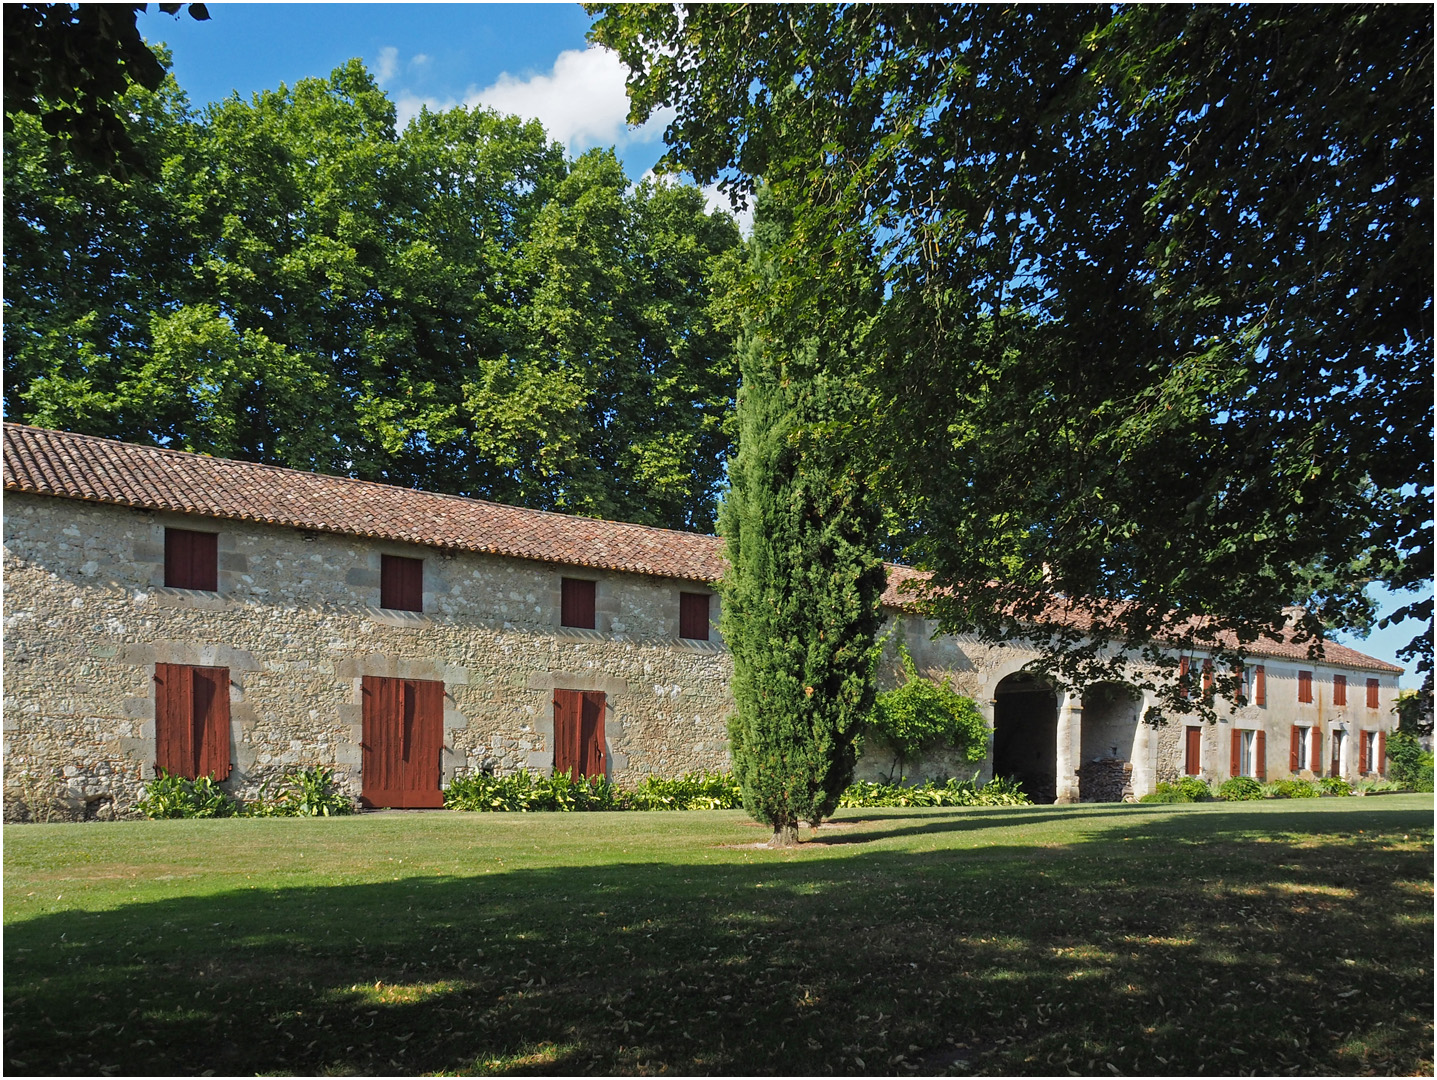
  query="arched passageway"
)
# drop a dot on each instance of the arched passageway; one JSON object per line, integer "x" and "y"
{"x": 1025, "y": 735}
{"x": 1111, "y": 715}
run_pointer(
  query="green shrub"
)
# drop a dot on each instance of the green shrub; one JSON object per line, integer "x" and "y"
{"x": 523, "y": 792}
{"x": 1240, "y": 789}
{"x": 307, "y": 792}
{"x": 1291, "y": 788}
{"x": 1410, "y": 767}
{"x": 1334, "y": 785}
{"x": 1185, "y": 789}
{"x": 171, "y": 796}
{"x": 1370, "y": 785}
{"x": 692, "y": 791}
{"x": 997, "y": 792}
{"x": 922, "y": 715}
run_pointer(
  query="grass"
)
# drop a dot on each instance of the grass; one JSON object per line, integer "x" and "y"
{"x": 1271, "y": 938}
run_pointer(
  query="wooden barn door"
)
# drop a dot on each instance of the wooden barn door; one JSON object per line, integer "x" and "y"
{"x": 403, "y": 738}
{"x": 579, "y": 732}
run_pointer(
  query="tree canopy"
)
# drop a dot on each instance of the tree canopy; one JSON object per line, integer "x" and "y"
{"x": 1155, "y": 353}
{"x": 453, "y": 306}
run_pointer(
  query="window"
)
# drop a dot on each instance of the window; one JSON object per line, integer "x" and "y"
{"x": 576, "y": 603}
{"x": 1304, "y": 687}
{"x": 694, "y": 616}
{"x": 1306, "y": 750}
{"x": 401, "y": 583}
{"x": 192, "y": 720}
{"x": 191, "y": 560}
{"x": 579, "y": 732}
{"x": 1249, "y": 753}
{"x": 1192, "y": 751}
{"x": 1339, "y": 689}
{"x": 1339, "y": 747}
{"x": 402, "y": 724}
{"x": 1372, "y": 752}
{"x": 1372, "y": 686}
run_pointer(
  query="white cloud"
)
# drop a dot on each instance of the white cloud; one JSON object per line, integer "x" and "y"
{"x": 717, "y": 200}
{"x": 581, "y": 102}
{"x": 387, "y": 66}
{"x": 420, "y": 59}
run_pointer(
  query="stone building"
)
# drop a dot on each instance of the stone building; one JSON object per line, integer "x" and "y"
{"x": 171, "y": 609}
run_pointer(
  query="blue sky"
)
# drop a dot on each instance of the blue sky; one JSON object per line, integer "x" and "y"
{"x": 530, "y": 59}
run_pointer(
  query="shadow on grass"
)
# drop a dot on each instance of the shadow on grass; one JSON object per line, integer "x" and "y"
{"x": 1162, "y": 941}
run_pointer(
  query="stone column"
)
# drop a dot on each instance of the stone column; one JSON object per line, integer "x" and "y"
{"x": 1070, "y": 746}
{"x": 986, "y": 709}
{"x": 1144, "y": 752}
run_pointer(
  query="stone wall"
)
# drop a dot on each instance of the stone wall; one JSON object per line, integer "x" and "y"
{"x": 297, "y": 623}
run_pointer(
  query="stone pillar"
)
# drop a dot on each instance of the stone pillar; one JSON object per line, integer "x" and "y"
{"x": 1070, "y": 746}
{"x": 986, "y": 707}
{"x": 1144, "y": 752}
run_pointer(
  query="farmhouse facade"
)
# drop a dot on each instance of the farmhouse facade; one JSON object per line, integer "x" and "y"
{"x": 167, "y": 609}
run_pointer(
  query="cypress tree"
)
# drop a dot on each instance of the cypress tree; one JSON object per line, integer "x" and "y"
{"x": 801, "y": 595}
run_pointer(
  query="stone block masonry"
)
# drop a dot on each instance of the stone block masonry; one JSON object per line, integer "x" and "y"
{"x": 296, "y": 622}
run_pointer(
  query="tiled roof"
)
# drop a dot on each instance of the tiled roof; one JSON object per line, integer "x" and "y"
{"x": 44, "y": 462}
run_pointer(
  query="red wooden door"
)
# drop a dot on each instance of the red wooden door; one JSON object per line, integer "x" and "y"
{"x": 1192, "y": 763}
{"x": 403, "y": 724}
{"x": 579, "y": 732}
{"x": 192, "y": 720}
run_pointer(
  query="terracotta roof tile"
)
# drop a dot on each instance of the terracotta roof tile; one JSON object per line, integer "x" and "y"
{"x": 44, "y": 462}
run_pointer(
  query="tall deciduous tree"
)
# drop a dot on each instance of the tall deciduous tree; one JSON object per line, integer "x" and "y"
{"x": 453, "y": 306}
{"x": 1158, "y": 326}
{"x": 801, "y": 595}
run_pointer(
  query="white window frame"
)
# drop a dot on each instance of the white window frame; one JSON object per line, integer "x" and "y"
{"x": 1373, "y": 765}
{"x": 1304, "y": 747}
{"x": 1247, "y": 755}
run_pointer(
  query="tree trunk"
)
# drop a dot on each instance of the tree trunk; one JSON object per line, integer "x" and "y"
{"x": 785, "y": 835}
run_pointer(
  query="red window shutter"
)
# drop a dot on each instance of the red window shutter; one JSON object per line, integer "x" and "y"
{"x": 1316, "y": 753}
{"x": 1259, "y": 685}
{"x": 1372, "y": 685}
{"x": 576, "y": 603}
{"x": 1304, "y": 687}
{"x": 568, "y": 713}
{"x": 212, "y": 722}
{"x": 1380, "y": 765}
{"x": 591, "y": 734}
{"x": 1192, "y": 758}
{"x": 191, "y": 560}
{"x": 694, "y": 616}
{"x": 1294, "y": 762}
{"x": 1362, "y": 751}
{"x": 174, "y": 719}
{"x": 1206, "y": 677}
{"x": 1183, "y": 675}
{"x": 401, "y": 583}
{"x": 1339, "y": 689}
{"x": 1261, "y": 754}
{"x": 1236, "y": 767}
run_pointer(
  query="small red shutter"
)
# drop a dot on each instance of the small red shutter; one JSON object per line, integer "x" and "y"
{"x": 1316, "y": 753}
{"x": 1236, "y": 767}
{"x": 174, "y": 720}
{"x": 568, "y": 711}
{"x": 1304, "y": 687}
{"x": 1380, "y": 765}
{"x": 591, "y": 734}
{"x": 1261, "y": 754}
{"x": 1183, "y": 675}
{"x": 1339, "y": 689}
{"x": 401, "y": 583}
{"x": 191, "y": 560}
{"x": 1372, "y": 693}
{"x": 694, "y": 616}
{"x": 1362, "y": 751}
{"x": 1238, "y": 677}
{"x": 576, "y": 603}
{"x": 212, "y": 722}
{"x": 1294, "y": 762}
{"x": 1259, "y": 685}
{"x": 1206, "y": 677}
{"x": 1192, "y": 763}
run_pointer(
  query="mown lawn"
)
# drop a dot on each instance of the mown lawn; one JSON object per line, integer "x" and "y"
{"x": 1276, "y": 937}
